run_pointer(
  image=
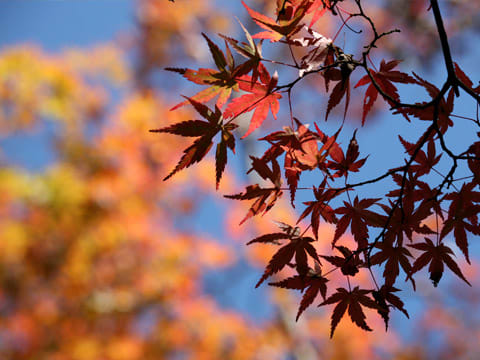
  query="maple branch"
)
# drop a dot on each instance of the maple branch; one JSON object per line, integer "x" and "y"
{"x": 279, "y": 63}
{"x": 294, "y": 82}
{"x": 371, "y": 181}
{"x": 445, "y": 47}
{"x": 468, "y": 90}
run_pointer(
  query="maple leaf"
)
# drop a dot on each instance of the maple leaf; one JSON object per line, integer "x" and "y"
{"x": 221, "y": 81}
{"x": 463, "y": 77}
{"x": 358, "y": 218}
{"x": 260, "y": 99}
{"x": 343, "y": 164}
{"x": 318, "y": 7}
{"x": 272, "y": 238}
{"x": 309, "y": 156}
{"x": 353, "y": 301}
{"x": 394, "y": 257}
{"x": 474, "y": 164}
{"x": 205, "y": 131}
{"x": 265, "y": 197}
{"x": 436, "y": 256}
{"x": 462, "y": 208}
{"x": 286, "y": 26}
{"x": 298, "y": 247}
{"x": 320, "y": 207}
{"x": 312, "y": 284}
{"x": 341, "y": 89}
{"x": 316, "y": 57}
{"x": 251, "y": 51}
{"x": 406, "y": 219}
{"x": 445, "y": 107}
{"x": 348, "y": 264}
{"x": 425, "y": 161}
{"x": 428, "y": 196}
{"x": 384, "y": 295}
{"x": 331, "y": 73}
{"x": 290, "y": 142}
{"x": 384, "y": 78}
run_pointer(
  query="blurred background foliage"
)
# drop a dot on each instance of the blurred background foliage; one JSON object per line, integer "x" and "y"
{"x": 102, "y": 260}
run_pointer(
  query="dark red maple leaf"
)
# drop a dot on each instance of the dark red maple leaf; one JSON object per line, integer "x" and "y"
{"x": 425, "y": 161}
{"x": 423, "y": 192}
{"x": 261, "y": 99}
{"x": 358, "y": 217}
{"x": 291, "y": 142}
{"x": 298, "y": 247}
{"x": 320, "y": 207}
{"x": 406, "y": 219}
{"x": 348, "y": 264}
{"x": 205, "y": 131}
{"x": 384, "y": 295}
{"x": 349, "y": 163}
{"x": 251, "y": 51}
{"x": 265, "y": 197}
{"x": 341, "y": 89}
{"x": 384, "y": 78}
{"x": 312, "y": 284}
{"x": 394, "y": 257}
{"x": 288, "y": 232}
{"x": 272, "y": 238}
{"x": 462, "y": 216}
{"x": 353, "y": 301}
{"x": 221, "y": 81}
{"x": 474, "y": 164}
{"x": 436, "y": 256}
{"x": 426, "y": 113}
{"x": 463, "y": 77}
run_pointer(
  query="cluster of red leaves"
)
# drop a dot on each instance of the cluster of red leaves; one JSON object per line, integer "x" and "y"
{"x": 396, "y": 220}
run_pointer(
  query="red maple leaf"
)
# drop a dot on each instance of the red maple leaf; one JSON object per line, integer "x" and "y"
{"x": 205, "y": 131}
{"x": 320, "y": 207}
{"x": 309, "y": 156}
{"x": 260, "y": 99}
{"x": 295, "y": 145}
{"x": 265, "y": 197}
{"x": 406, "y": 219}
{"x": 341, "y": 89}
{"x": 251, "y": 51}
{"x": 318, "y": 7}
{"x": 462, "y": 216}
{"x": 436, "y": 256}
{"x": 353, "y": 301}
{"x": 394, "y": 257}
{"x": 425, "y": 161}
{"x": 287, "y": 24}
{"x": 348, "y": 264}
{"x": 221, "y": 81}
{"x": 312, "y": 284}
{"x": 298, "y": 247}
{"x": 474, "y": 164}
{"x": 343, "y": 164}
{"x": 384, "y": 78}
{"x": 358, "y": 217}
{"x": 445, "y": 107}
{"x": 384, "y": 295}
